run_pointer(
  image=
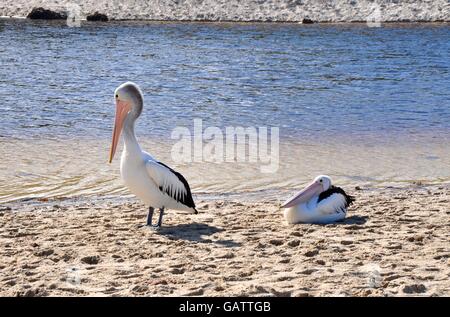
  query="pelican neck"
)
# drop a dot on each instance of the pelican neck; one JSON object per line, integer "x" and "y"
{"x": 129, "y": 136}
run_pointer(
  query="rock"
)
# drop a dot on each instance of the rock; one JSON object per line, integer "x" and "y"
{"x": 414, "y": 288}
{"x": 97, "y": 17}
{"x": 307, "y": 21}
{"x": 93, "y": 259}
{"x": 320, "y": 262}
{"x": 358, "y": 188}
{"x": 346, "y": 242}
{"x": 44, "y": 14}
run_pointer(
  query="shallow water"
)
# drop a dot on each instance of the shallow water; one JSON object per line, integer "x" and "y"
{"x": 364, "y": 105}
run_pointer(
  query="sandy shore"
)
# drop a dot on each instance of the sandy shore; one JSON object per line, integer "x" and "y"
{"x": 394, "y": 242}
{"x": 249, "y": 10}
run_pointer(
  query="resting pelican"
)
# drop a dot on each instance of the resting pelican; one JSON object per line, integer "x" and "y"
{"x": 153, "y": 182}
{"x": 319, "y": 202}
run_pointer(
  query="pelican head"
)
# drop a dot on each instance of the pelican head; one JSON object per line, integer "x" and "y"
{"x": 324, "y": 180}
{"x": 129, "y": 104}
{"x": 320, "y": 184}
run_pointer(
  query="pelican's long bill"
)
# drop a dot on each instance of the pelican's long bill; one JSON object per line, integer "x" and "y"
{"x": 122, "y": 109}
{"x": 315, "y": 188}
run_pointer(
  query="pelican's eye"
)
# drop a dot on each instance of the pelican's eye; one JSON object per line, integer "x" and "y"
{"x": 117, "y": 96}
{"x": 320, "y": 181}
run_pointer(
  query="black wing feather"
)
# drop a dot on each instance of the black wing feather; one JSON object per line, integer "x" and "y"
{"x": 336, "y": 190}
{"x": 186, "y": 199}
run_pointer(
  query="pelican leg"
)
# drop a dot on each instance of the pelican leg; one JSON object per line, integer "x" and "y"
{"x": 150, "y": 216}
{"x": 150, "y": 224}
{"x": 161, "y": 213}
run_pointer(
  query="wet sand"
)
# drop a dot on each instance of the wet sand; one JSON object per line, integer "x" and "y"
{"x": 394, "y": 242}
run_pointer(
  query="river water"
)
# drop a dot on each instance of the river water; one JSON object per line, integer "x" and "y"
{"x": 363, "y": 105}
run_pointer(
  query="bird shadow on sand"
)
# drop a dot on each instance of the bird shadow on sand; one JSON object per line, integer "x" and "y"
{"x": 353, "y": 220}
{"x": 196, "y": 232}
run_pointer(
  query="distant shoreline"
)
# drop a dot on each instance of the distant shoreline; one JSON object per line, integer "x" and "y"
{"x": 6, "y": 18}
{"x": 252, "y": 11}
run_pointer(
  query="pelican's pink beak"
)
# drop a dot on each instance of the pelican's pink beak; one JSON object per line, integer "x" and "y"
{"x": 315, "y": 188}
{"x": 122, "y": 109}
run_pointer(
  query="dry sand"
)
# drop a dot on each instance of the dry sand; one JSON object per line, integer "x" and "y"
{"x": 248, "y": 10}
{"x": 394, "y": 242}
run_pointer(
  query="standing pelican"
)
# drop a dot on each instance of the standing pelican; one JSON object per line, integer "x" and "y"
{"x": 153, "y": 182}
{"x": 319, "y": 202}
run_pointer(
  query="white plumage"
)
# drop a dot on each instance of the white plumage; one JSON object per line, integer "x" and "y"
{"x": 153, "y": 182}
{"x": 150, "y": 181}
{"x": 319, "y": 202}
